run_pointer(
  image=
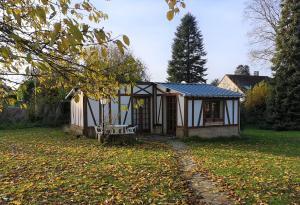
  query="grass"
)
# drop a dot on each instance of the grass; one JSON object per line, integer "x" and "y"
{"x": 47, "y": 166}
{"x": 263, "y": 167}
{"x": 18, "y": 125}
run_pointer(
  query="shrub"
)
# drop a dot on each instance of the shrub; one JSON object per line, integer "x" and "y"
{"x": 254, "y": 107}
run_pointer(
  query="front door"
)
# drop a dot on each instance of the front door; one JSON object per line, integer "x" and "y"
{"x": 171, "y": 115}
{"x": 141, "y": 113}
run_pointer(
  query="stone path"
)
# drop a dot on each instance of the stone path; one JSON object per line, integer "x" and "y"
{"x": 205, "y": 191}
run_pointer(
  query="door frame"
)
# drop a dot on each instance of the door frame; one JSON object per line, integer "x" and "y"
{"x": 174, "y": 110}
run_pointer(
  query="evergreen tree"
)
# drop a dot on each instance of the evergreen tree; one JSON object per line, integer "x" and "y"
{"x": 215, "y": 82}
{"x": 187, "y": 62}
{"x": 242, "y": 70}
{"x": 284, "y": 105}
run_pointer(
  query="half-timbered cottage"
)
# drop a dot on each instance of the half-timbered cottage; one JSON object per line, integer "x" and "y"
{"x": 176, "y": 109}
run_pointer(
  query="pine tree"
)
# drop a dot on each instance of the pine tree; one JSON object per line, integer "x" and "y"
{"x": 187, "y": 62}
{"x": 242, "y": 70}
{"x": 284, "y": 105}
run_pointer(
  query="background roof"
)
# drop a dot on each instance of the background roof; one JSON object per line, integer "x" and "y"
{"x": 246, "y": 82}
{"x": 200, "y": 90}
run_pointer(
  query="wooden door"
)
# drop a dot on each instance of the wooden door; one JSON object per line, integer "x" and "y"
{"x": 171, "y": 115}
{"x": 141, "y": 114}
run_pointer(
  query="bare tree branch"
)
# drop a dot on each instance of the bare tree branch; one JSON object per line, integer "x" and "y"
{"x": 263, "y": 16}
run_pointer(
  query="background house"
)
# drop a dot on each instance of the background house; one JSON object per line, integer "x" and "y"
{"x": 241, "y": 83}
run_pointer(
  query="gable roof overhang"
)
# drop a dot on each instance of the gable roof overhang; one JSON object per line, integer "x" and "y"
{"x": 72, "y": 93}
{"x": 237, "y": 87}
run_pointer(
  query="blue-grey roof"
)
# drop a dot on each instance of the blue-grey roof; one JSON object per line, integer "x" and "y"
{"x": 200, "y": 90}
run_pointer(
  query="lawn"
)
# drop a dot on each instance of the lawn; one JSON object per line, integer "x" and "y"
{"x": 261, "y": 168}
{"x": 47, "y": 166}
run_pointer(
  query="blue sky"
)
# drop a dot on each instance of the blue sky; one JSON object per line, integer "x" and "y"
{"x": 222, "y": 24}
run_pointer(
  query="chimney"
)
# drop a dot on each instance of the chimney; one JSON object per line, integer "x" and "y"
{"x": 256, "y": 73}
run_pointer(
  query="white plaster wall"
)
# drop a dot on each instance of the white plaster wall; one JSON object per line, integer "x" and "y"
{"x": 95, "y": 108}
{"x": 124, "y": 104}
{"x": 197, "y": 110}
{"x": 236, "y": 111}
{"x": 225, "y": 114}
{"x": 190, "y": 113}
{"x": 230, "y": 110}
{"x": 159, "y": 111}
{"x": 106, "y": 113}
{"x": 137, "y": 89}
{"x": 114, "y": 112}
{"x": 127, "y": 89}
{"x": 180, "y": 109}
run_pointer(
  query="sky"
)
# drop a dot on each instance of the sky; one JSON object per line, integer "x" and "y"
{"x": 221, "y": 22}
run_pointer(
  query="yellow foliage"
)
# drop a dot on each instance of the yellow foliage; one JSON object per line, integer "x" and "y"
{"x": 55, "y": 40}
{"x": 257, "y": 95}
{"x": 174, "y": 8}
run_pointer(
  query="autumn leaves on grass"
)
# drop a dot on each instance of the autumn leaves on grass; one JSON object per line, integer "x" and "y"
{"x": 45, "y": 165}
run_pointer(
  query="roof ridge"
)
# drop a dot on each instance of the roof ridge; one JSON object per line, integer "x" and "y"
{"x": 249, "y": 75}
{"x": 184, "y": 83}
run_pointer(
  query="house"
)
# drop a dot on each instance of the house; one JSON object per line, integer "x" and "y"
{"x": 167, "y": 108}
{"x": 241, "y": 83}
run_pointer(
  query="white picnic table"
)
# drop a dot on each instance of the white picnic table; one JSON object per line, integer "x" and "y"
{"x": 114, "y": 130}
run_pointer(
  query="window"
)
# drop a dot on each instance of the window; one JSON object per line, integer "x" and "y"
{"x": 213, "y": 112}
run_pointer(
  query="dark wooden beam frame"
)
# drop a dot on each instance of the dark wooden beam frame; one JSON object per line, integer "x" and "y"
{"x": 160, "y": 90}
{"x": 159, "y": 109}
{"x": 186, "y": 131}
{"x": 119, "y": 107}
{"x": 239, "y": 112}
{"x": 110, "y": 114}
{"x": 212, "y": 126}
{"x": 200, "y": 114}
{"x": 224, "y": 111}
{"x": 162, "y": 115}
{"x": 131, "y": 98}
{"x": 233, "y": 102}
{"x": 143, "y": 89}
{"x": 126, "y": 113}
{"x": 227, "y": 113}
{"x": 85, "y": 122}
{"x": 100, "y": 112}
{"x": 211, "y": 98}
{"x": 153, "y": 107}
{"x": 91, "y": 111}
{"x": 193, "y": 112}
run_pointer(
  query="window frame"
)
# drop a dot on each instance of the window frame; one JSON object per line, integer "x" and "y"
{"x": 213, "y": 121}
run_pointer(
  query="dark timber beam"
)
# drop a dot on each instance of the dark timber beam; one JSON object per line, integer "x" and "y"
{"x": 186, "y": 115}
